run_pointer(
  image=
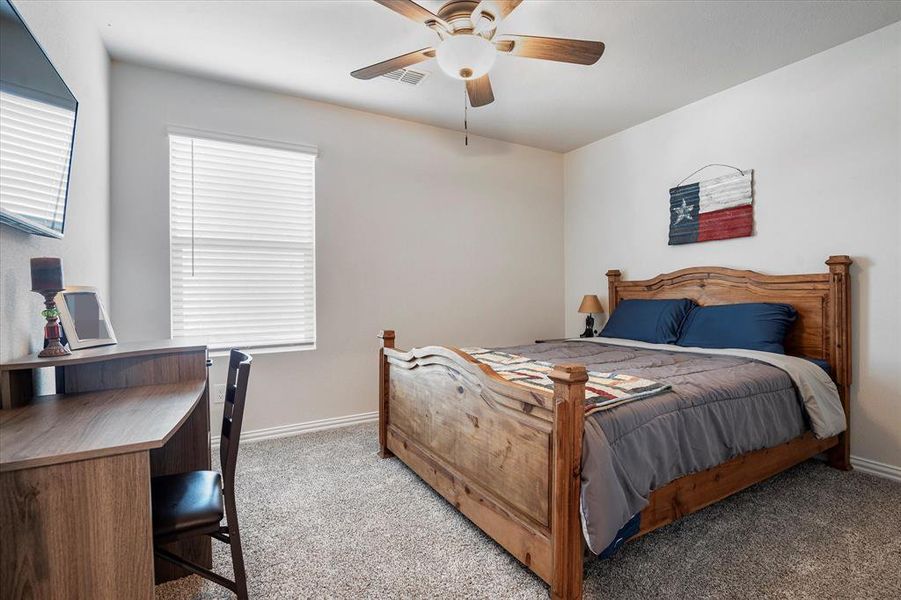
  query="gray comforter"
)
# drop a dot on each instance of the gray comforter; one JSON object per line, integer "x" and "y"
{"x": 720, "y": 406}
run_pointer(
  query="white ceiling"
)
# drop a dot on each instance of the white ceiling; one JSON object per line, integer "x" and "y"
{"x": 660, "y": 55}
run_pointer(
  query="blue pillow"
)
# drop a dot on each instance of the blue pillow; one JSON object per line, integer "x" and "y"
{"x": 655, "y": 321}
{"x": 753, "y": 326}
{"x": 821, "y": 363}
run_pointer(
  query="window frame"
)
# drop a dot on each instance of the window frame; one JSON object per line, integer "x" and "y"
{"x": 190, "y": 132}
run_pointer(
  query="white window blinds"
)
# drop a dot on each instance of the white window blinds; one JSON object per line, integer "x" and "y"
{"x": 242, "y": 243}
{"x": 35, "y": 147}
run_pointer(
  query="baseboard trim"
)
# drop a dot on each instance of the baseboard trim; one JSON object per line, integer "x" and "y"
{"x": 873, "y": 467}
{"x": 271, "y": 433}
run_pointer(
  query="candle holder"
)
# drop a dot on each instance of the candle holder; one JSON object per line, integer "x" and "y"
{"x": 47, "y": 280}
{"x": 52, "y": 330}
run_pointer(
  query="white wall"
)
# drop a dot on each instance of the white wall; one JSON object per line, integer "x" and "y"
{"x": 444, "y": 243}
{"x": 823, "y": 137}
{"x": 78, "y": 54}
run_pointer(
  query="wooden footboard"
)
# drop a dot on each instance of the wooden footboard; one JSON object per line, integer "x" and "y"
{"x": 507, "y": 457}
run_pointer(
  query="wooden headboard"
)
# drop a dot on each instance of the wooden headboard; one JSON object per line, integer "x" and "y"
{"x": 823, "y": 302}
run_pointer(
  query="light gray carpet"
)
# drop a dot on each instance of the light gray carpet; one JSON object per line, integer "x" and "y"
{"x": 323, "y": 517}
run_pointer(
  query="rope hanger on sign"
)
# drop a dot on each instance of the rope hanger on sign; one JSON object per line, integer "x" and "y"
{"x": 693, "y": 173}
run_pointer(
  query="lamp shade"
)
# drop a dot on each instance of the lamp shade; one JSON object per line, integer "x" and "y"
{"x": 591, "y": 304}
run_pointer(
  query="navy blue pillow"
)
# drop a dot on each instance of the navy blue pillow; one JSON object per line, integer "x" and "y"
{"x": 753, "y": 326}
{"x": 823, "y": 364}
{"x": 655, "y": 321}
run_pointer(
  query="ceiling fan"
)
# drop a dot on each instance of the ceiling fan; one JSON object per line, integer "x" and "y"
{"x": 468, "y": 47}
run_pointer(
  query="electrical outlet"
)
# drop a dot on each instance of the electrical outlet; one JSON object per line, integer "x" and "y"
{"x": 219, "y": 393}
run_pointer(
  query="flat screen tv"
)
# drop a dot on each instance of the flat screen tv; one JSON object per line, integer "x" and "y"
{"x": 37, "y": 130}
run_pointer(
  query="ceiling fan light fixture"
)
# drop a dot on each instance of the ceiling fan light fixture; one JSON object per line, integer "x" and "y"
{"x": 465, "y": 56}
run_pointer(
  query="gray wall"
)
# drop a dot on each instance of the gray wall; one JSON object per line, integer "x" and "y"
{"x": 415, "y": 231}
{"x": 823, "y": 136}
{"x": 75, "y": 48}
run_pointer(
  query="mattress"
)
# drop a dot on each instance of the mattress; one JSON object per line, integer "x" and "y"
{"x": 719, "y": 406}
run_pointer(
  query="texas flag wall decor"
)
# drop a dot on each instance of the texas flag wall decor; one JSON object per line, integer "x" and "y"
{"x": 716, "y": 209}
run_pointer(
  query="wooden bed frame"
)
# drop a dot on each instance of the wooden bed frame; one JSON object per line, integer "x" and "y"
{"x": 509, "y": 457}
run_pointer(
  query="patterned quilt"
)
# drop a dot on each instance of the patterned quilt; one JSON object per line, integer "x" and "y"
{"x": 602, "y": 390}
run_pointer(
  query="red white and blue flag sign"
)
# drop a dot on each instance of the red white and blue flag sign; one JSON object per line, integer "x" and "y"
{"x": 716, "y": 209}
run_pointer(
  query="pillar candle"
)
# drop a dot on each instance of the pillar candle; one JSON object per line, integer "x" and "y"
{"x": 46, "y": 274}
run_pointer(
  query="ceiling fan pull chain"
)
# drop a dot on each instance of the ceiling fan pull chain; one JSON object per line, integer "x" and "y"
{"x": 465, "y": 117}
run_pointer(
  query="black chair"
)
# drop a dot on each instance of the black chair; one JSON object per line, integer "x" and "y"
{"x": 187, "y": 505}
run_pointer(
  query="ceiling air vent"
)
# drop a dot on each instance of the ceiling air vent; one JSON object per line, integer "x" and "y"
{"x": 408, "y": 76}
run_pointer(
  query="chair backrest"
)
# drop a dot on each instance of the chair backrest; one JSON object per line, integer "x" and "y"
{"x": 233, "y": 414}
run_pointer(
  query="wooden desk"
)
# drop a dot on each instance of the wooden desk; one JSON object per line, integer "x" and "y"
{"x": 75, "y": 468}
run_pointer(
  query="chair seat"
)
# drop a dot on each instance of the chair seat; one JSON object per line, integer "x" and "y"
{"x": 186, "y": 501}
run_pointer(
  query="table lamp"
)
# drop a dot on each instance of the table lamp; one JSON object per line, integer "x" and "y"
{"x": 590, "y": 306}
{"x": 47, "y": 280}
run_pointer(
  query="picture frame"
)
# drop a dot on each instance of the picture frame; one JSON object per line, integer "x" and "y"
{"x": 84, "y": 319}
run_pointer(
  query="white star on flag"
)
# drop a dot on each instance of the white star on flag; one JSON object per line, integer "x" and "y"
{"x": 682, "y": 212}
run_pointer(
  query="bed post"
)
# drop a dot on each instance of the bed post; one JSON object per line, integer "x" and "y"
{"x": 566, "y": 523}
{"x": 840, "y": 350}
{"x": 387, "y": 337}
{"x": 613, "y": 277}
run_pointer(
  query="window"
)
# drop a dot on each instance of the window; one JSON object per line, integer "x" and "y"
{"x": 242, "y": 242}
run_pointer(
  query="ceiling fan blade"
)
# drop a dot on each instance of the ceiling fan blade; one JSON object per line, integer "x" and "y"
{"x": 479, "y": 91}
{"x": 582, "y": 52}
{"x": 413, "y": 11}
{"x": 393, "y": 64}
{"x": 496, "y": 9}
